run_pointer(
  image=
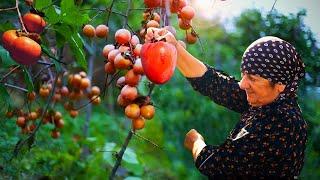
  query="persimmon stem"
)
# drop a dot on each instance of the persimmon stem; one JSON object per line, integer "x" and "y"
{"x": 20, "y": 18}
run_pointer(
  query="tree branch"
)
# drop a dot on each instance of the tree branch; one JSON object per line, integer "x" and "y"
{"x": 120, "y": 155}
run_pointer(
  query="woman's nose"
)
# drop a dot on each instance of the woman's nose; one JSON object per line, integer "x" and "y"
{"x": 244, "y": 84}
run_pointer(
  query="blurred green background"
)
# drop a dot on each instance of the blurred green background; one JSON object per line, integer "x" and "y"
{"x": 178, "y": 107}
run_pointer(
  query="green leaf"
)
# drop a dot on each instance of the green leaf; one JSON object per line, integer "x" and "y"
{"x": 6, "y": 26}
{"x": 130, "y": 156}
{"x": 39, "y": 4}
{"x": 28, "y": 79}
{"x": 5, "y": 58}
{"x": 132, "y": 178}
{"x": 69, "y": 12}
{"x": 76, "y": 46}
{"x": 53, "y": 14}
{"x": 107, "y": 154}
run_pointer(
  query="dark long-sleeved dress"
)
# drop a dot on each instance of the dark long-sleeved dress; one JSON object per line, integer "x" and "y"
{"x": 267, "y": 141}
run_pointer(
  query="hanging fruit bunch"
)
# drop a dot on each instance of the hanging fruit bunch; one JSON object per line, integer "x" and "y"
{"x": 77, "y": 88}
{"x": 24, "y": 47}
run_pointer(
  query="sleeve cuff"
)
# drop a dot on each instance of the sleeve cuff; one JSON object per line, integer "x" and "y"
{"x": 205, "y": 155}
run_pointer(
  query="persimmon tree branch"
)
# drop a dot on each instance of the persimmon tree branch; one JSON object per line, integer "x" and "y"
{"x": 16, "y": 7}
{"x": 120, "y": 155}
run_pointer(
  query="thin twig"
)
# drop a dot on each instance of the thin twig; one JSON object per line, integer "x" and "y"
{"x": 11, "y": 71}
{"x": 8, "y": 9}
{"x": 20, "y": 18}
{"x": 127, "y": 13}
{"x": 15, "y": 87}
{"x": 120, "y": 154}
{"x": 110, "y": 10}
{"x": 149, "y": 141}
{"x": 41, "y": 70}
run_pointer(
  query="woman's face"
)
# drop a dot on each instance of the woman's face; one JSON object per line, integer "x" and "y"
{"x": 259, "y": 90}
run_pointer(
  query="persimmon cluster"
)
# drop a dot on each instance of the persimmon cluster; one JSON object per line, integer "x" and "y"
{"x": 124, "y": 55}
{"x": 184, "y": 11}
{"x": 76, "y": 87}
{"x": 101, "y": 31}
{"x": 24, "y": 47}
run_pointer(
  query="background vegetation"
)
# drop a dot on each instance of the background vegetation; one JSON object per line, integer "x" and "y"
{"x": 179, "y": 108}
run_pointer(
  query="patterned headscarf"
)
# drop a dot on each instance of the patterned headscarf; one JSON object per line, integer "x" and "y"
{"x": 276, "y": 60}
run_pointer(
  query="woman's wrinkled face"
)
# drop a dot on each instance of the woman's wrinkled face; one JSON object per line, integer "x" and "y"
{"x": 259, "y": 90}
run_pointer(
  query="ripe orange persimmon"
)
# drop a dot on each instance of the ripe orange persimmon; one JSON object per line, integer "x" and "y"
{"x": 85, "y": 83}
{"x": 7, "y": 39}
{"x": 121, "y": 101}
{"x": 121, "y": 62}
{"x": 122, "y": 36}
{"x": 184, "y": 24}
{"x": 137, "y": 67}
{"x": 112, "y": 54}
{"x": 89, "y": 31}
{"x": 138, "y": 123}
{"x": 132, "y": 78}
{"x": 34, "y": 22}
{"x": 134, "y": 40}
{"x": 59, "y": 123}
{"x": 64, "y": 91}
{"x": 102, "y": 31}
{"x": 106, "y": 49}
{"x": 147, "y": 111}
{"x": 44, "y": 91}
{"x": 187, "y": 12}
{"x": 109, "y": 68}
{"x": 132, "y": 111}
{"x": 55, "y": 134}
{"x": 130, "y": 93}
{"x": 73, "y": 113}
{"x": 191, "y": 38}
{"x": 95, "y": 91}
{"x": 21, "y": 121}
{"x": 177, "y": 5}
{"x": 31, "y": 96}
{"x": 137, "y": 50}
{"x": 96, "y": 100}
{"x": 25, "y": 51}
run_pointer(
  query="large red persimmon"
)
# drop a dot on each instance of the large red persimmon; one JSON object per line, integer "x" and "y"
{"x": 7, "y": 39}
{"x": 158, "y": 60}
{"x": 34, "y": 22}
{"x": 25, "y": 51}
{"x": 152, "y": 3}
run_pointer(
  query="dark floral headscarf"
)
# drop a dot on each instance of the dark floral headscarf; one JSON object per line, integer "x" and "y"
{"x": 276, "y": 60}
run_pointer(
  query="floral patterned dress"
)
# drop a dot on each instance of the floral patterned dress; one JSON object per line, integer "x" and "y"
{"x": 267, "y": 141}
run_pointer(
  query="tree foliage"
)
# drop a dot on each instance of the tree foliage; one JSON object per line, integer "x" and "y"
{"x": 157, "y": 151}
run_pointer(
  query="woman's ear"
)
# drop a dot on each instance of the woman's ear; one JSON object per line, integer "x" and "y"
{"x": 280, "y": 87}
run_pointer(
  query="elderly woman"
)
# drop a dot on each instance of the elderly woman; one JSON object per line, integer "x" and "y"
{"x": 270, "y": 138}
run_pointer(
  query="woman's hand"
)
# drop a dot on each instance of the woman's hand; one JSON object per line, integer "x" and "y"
{"x": 191, "y": 137}
{"x": 194, "y": 142}
{"x": 159, "y": 34}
